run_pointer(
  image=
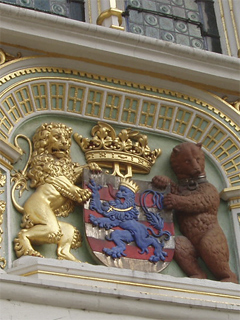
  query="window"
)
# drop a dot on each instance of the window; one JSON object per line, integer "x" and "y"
{"x": 187, "y": 22}
{"x": 73, "y": 9}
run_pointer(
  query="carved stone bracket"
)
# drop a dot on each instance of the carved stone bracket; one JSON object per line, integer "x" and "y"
{"x": 232, "y": 195}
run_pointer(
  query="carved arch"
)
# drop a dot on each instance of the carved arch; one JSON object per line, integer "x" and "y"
{"x": 31, "y": 89}
{"x": 35, "y": 91}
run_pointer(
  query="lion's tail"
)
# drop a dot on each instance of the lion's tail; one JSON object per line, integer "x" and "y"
{"x": 16, "y": 205}
{"x": 165, "y": 233}
{"x": 20, "y": 177}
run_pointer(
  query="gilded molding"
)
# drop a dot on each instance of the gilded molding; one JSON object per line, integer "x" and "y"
{"x": 234, "y": 206}
{"x": 89, "y": 11}
{"x": 150, "y": 89}
{"x": 224, "y": 27}
{"x": 231, "y": 194}
{"x": 6, "y": 164}
{"x": 6, "y": 57}
{"x": 234, "y": 23}
{"x": 2, "y": 181}
{"x": 235, "y": 104}
{"x": 134, "y": 284}
{"x": 222, "y": 123}
{"x": 122, "y": 68}
{"x": 99, "y": 7}
{"x": 153, "y": 92}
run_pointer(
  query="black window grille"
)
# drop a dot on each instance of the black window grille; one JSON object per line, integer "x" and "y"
{"x": 73, "y": 9}
{"x": 186, "y": 22}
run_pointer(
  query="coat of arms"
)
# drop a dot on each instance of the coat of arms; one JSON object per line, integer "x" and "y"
{"x": 126, "y": 223}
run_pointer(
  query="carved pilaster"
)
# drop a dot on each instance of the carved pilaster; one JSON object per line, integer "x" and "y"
{"x": 232, "y": 195}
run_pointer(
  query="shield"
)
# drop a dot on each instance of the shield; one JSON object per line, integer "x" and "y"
{"x": 126, "y": 225}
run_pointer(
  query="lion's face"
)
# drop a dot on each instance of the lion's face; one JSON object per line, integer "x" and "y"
{"x": 53, "y": 139}
{"x": 59, "y": 143}
{"x": 51, "y": 155}
{"x": 124, "y": 194}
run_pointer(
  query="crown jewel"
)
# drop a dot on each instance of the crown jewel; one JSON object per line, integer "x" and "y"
{"x": 128, "y": 150}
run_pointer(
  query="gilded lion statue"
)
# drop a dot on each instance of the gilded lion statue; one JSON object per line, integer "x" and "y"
{"x": 55, "y": 177}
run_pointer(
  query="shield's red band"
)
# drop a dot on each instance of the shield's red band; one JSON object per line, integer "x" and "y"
{"x": 96, "y": 236}
{"x": 131, "y": 252}
{"x": 106, "y": 196}
{"x": 167, "y": 225}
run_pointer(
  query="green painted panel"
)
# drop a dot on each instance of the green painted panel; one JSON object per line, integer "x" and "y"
{"x": 162, "y": 166}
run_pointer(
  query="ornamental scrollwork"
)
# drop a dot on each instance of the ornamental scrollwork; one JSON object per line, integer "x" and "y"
{"x": 235, "y": 104}
{"x": 6, "y": 57}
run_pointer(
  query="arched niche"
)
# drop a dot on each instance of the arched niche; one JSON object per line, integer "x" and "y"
{"x": 33, "y": 93}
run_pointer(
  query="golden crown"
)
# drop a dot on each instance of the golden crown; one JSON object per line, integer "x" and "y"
{"x": 129, "y": 184}
{"x": 128, "y": 150}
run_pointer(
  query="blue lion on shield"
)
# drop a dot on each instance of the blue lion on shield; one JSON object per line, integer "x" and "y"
{"x": 122, "y": 212}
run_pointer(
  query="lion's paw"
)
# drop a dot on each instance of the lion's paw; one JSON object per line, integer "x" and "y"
{"x": 158, "y": 256}
{"x": 94, "y": 167}
{"x": 115, "y": 252}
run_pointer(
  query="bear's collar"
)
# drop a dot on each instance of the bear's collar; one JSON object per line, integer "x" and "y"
{"x": 192, "y": 183}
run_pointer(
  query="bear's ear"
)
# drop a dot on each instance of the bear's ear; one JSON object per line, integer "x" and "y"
{"x": 176, "y": 149}
{"x": 199, "y": 145}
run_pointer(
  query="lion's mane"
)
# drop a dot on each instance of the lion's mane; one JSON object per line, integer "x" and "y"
{"x": 131, "y": 214}
{"x": 41, "y": 137}
{"x": 43, "y": 164}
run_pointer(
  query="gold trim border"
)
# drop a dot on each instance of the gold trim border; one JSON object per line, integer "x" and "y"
{"x": 134, "y": 284}
{"x": 5, "y": 164}
{"x": 151, "y": 89}
{"x": 234, "y": 206}
{"x": 228, "y": 124}
{"x": 153, "y": 74}
{"x": 174, "y": 94}
{"x": 234, "y": 23}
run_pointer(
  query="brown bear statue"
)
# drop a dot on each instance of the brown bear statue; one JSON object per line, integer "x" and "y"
{"x": 195, "y": 202}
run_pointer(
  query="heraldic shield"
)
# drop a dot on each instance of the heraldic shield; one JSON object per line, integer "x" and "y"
{"x": 126, "y": 224}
